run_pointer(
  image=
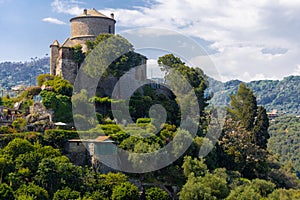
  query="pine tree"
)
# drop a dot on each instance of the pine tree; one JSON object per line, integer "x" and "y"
{"x": 243, "y": 143}
{"x": 261, "y": 128}
{"x": 243, "y": 107}
{"x": 196, "y": 78}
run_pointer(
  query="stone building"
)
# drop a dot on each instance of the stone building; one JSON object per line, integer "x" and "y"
{"x": 93, "y": 151}
{"x": 86, "y": 26}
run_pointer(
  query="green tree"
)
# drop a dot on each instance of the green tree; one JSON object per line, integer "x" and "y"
{"x": 57, "y": 173}
{"x": 49, "y": 99}
{"x": 218, "y": 185}
{"x": 47, "y": 176}
{"x": 125, "y": 191}
{"x": 236, "y": 151}
{"x": 63, "y": 109}
{"x": 8, "y": 102}
{"x": 101, "y": 185}
{"x": 194, "y": 190}
{"x": 6, "y": 166}
{"x": 196, "y": 166}
{"x": 60, "y": 104}
{"x": 66, "y": 194}
{"x": 243, "y": 107}
{"x": 256, "y": 189}
{"x": 97, "y": 195}
{"x": 111, "y": 47}
{"x": 6, "y": 192}
{"x": 62, "y": 86}
{"x": 197, "y": 80}
{"x": 34, "y": 191}
{"x": 43, "y": 78}
{"x": 155, "y": 193}
{"x": 24, "y": 197}
{"x": 283, "y": 194}
{"x": 18, "y": 146}
{"x": 263, "y": 187}
{"x": 211, "y": 186}
{"x": 244, "y": 193}
{"x": 32, "y": 159}
{"x": 19, "y": 124}
{"x": 244, "y": 137}
{"x": 261, "y": 128}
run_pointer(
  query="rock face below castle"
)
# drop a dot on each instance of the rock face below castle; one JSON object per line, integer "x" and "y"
{"x": 86, "y": 26}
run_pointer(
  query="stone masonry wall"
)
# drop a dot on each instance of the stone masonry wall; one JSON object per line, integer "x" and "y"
{"x": 88, "y": 26}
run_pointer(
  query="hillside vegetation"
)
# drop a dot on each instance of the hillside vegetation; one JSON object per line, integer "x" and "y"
{"x": 22, "y": 73}
{"x": 285, "y": 141}
{"x": 272, "y": 94}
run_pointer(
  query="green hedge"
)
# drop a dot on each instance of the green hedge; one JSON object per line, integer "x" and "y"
{"x": 57, "y": 137}
{"x": 143, "y": 120}
{"x": 30, "y": 136}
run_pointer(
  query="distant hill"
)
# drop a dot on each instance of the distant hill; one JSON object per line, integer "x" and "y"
{"x": 272, "y": 94}
{"x": 22, "y": 73}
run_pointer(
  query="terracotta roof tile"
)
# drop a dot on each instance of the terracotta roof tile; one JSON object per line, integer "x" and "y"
{"x": 102, "y": 138}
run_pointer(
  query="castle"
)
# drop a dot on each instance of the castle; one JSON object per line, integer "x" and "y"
{"x": 84, "y": 27}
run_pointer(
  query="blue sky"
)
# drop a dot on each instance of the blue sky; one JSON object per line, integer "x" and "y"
{"x": 247, "y": 40}
{"x": 23, "y": 32}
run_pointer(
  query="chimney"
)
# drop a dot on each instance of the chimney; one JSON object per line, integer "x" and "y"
{"x": 85, "y": 11}
{"x": 112, "y": 15}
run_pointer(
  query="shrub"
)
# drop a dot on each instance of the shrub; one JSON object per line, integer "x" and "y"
{"x": 34, "y": 191}
{"x": 6, "y": 192}
{"x": 66, "y": 194}
{"x": 43, "y": 78}
{"x": 143, "y": 120}
{"x": 125, "y": 191}
{"x": 155, "y": 193}
{"x": 57, "y": 138}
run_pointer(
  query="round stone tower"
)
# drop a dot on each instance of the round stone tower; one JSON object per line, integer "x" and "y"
{"x": 90, "y": 24}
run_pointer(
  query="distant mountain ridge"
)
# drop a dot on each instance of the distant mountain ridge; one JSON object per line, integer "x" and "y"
{"x": 283, "y": 95}
{"x": 22, "y": 73}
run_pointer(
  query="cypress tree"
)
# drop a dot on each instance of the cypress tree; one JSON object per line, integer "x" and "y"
{"x": 243, "y": 107}
{"x": 261, "y": 128}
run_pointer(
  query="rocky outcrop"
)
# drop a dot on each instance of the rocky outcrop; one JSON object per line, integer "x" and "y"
{"x": 39, "y": 117}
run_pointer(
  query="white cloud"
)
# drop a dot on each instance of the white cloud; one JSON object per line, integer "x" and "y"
{"x": 53, "y": 21}
{"x": 297, "y": 71}
{"x": 254, "y": 39}
{"x": 153, "y": 69}
{"x": 67, "y": 6}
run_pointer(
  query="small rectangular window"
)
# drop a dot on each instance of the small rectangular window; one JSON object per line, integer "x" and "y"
{"x": 109, "y": 29}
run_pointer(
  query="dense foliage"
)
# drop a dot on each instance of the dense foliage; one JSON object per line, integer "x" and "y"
{"x": 285, "y": 140}
{"x": 272, "y": 94}
{"x": 111, "y": 47}
{"x": 57, "y": 97}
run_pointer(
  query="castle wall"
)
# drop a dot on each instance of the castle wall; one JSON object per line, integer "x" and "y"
{"x": 69, "y": 70}
{"x": 53, "y": 59}
{"x": 91, "y": 26}
{"x": 65, "y": 66}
